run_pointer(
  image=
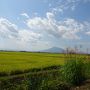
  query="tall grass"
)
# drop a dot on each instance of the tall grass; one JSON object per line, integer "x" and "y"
{"x": 87, "y": 71}
{"x": 73, "y": 72}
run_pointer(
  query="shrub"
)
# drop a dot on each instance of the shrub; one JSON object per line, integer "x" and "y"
{"x": 73, "y": 72}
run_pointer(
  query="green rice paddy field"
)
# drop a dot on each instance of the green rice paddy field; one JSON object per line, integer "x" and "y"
{"x": 12, "y": 61}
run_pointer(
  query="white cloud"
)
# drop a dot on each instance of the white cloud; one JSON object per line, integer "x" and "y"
{"x": 7, "y": 29}
{"x": 87, "y": 29}
{"x": 63, "y": 5}
{"x": 88, "y": 33}
{"x": 67, "y": 28}
{"x": 15, "y": 37}
{"x": 40, "y": 27}
{"x": 70, "y": 35}
{"x": 50, "y": 15}
{"x": 25, "y": 15}
{"x": 28, "y": 36}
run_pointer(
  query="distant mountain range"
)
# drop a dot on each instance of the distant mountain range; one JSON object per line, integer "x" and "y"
{"x": 50, "y": 50}
{"x": 53, "y": 50}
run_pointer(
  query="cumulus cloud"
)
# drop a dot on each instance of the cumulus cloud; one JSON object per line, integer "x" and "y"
{"x": 39, "y": 27}
{"x": 10, "y": 31}
{"x": 14, "y": 38}
{"x": 67, "y": 28}
{"x": 7, "y": 29}
{"x": 28, "y": 36}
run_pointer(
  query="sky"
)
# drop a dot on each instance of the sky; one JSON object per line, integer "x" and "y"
{"x": 40, "y": 24}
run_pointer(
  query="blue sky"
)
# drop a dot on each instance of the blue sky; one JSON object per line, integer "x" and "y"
{"x": 41, "y": 24}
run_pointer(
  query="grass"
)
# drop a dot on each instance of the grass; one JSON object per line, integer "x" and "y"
{"x": 12, "y": 61}
{"x": 73, "y": 72}
{"x": 37, "y": 71}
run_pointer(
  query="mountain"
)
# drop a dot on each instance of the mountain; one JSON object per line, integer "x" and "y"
{"x": 54, "y": 50}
